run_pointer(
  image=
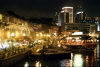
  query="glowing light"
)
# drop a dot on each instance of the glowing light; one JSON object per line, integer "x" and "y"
{"x": 78, "y": 60}
{"x": 26, "y": 64}
{"x": 59, "y": 45}
{"x": 79, "y": 12}
{"x": 4, "y": 45}
{"x": 40, "y": 41}
{"x": 64, "y": 35}
{"x": 12, "y": 34}
{"x": 77, "y": 38}
{"x": 48, "y": 35}
{"x": 24, "y": 34}
{"x": 8, "y": 34}
{"x": 37, "y": 35}
{"x": 73, "y": 40}
{"x": 17, "y": 34}
{"x": 77, "y": 33}
{"x": 62, "y": 11}
{"x": 41, "y": 34}
{"x": 68, "y": 38}
{"x": 70, "y": 11}
{"x": 98, "y": 26}
{"x": 38, "y": 64}
{"x": 67, "y": 7}
{"x": 55, "y": 34}
{"x": 37, "y": 50}
{"x": 0, "y": 16}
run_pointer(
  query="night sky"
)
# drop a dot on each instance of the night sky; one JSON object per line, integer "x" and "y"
{"x": 46, "y": 8}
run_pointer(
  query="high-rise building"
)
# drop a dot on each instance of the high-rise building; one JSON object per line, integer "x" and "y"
{"x": 80, "y": 16}
{"x": 67, "y": 23}
{"x": 97, "y": 21}
{"x": 79, "y": 13}
{"x": 66, "y": 15}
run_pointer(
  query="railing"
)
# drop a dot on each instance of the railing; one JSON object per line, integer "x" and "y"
{"x": 80, "y": 43}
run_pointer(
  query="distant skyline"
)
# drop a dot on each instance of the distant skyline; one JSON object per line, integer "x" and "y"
{"x": 46, "y": 8}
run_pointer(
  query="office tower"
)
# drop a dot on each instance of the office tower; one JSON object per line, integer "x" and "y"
{"x": 66, "y": 15}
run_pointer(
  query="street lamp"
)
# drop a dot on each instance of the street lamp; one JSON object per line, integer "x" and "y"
{"x": 24, "y": 34}
{"x": 13, "y": 34}
{"x": 48, "y": 35}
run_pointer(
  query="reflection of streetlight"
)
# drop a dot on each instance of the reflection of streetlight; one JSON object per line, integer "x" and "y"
{"x": 24, "y": 34}
{"x": 26, "y": 64}
{"x": 78, "y": 60}
{"x": 44, "y": 35}
{"x": 38, "y": 64}
{"x": 55, "y": 34}
{"x": 41, "y": 34}
{"x": 37, "y": 35}
{"x": 13, "y": 34}
{"x": 17, "y": 34}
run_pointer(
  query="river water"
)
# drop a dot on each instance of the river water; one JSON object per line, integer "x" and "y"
{"x": 78, "y": 59}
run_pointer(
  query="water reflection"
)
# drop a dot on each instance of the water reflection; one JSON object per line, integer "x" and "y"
{"x": 82, "y": 59}
{"x": 38, "y": 64}
{"x": 78, "y": 60}
{"x": 26, "y": 64}
{"x": 97, "y": 52}
{"x": 66, "y": 63}
{"x": 85, "y": 59}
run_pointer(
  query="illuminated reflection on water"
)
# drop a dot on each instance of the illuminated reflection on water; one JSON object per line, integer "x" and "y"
{"x": 26, "y": 64}
{"x": 38, "y": 64}
{"x": 76, "y": 60}
{"x": 79, "y": 60}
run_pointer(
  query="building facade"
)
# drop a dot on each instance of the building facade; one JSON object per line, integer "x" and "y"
{"x": 68, "y": 25}
{"x": 66, "y": 15}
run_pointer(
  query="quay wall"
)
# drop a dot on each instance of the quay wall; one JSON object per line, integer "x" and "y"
{"x": 13, "y": 60}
